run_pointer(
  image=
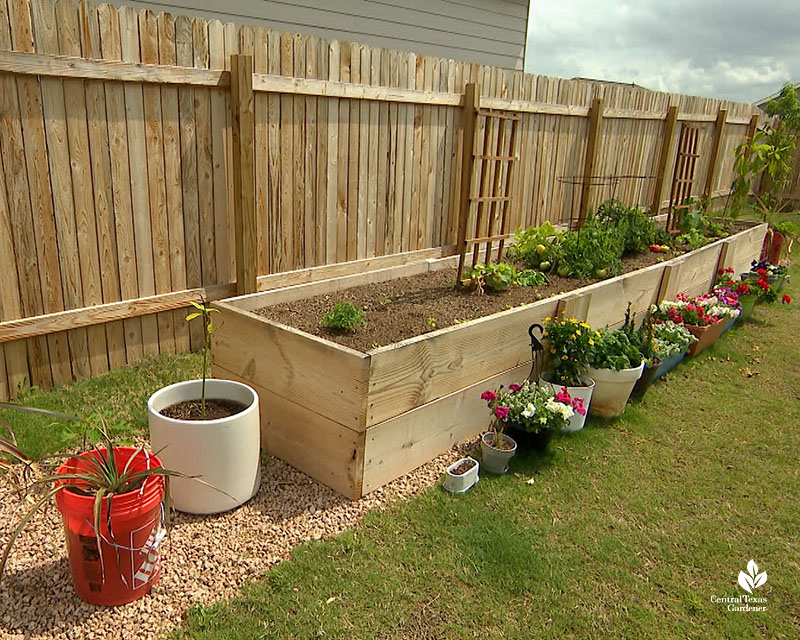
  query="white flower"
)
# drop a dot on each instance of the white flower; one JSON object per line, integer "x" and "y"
{"x": 529, "y": 411}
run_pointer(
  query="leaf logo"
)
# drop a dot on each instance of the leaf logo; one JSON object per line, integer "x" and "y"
{"x": 752, "y": 579}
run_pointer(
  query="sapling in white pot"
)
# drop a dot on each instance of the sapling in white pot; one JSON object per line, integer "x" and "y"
{"x": 208, "y": 428}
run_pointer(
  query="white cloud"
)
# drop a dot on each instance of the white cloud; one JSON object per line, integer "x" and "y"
{"x": 736, "y": 50}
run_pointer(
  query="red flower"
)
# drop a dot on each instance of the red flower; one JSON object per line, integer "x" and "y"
{"x": 514, "y": 387}
{"x": 743, "y": 290}
{"x": 729, "y": 270}
{"x": 761, "y": 272}
{"x": 501, "y": 412}
{"x": 720, "y": 272}
{"x": 786, "y": 298}
{"x": 763, "y": 284}
{"x": 489, "y": 396}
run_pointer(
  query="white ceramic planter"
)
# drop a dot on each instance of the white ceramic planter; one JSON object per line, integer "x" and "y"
{"x": 463, "y": 482}
{"x": 586, "y": 393}
{"x": 612, "y": 390}
{"x": 496, "y": 460}
{"x": 225, "y": 453}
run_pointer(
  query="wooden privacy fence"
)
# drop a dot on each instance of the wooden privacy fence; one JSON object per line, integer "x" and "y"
{"x": 127, "y": 141}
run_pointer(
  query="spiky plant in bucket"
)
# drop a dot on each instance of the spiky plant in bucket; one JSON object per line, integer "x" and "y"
{"x": 98, "y": 475}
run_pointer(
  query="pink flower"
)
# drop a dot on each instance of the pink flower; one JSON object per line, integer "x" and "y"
{"x": 563, "y": 396}
{"x": 514, "y": 387}
{"x": 489, "y": 396}
{"x": 577, "y": 404}
{"x": 501, "y": 413}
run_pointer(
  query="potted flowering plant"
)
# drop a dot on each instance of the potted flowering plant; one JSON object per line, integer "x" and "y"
{"x": 776, "y": 275}
{"x": 497, "y": 448}
{"x": 569, "y": 344}
{"x": 671, "y": 341}
{"x": 694, "y": 314}
{"x": 616, "y": 365}
{"x": 534, "y": 412}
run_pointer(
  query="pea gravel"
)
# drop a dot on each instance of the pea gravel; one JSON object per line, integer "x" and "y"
{"x": 205, "y": 558}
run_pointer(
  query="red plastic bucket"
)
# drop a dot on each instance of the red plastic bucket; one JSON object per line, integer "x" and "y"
{"x": 126, "y": 565}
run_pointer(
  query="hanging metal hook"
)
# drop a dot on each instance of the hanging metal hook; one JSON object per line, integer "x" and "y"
{"x": 537, "y": 352}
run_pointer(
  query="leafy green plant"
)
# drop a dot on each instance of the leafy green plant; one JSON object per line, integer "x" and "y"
{"x": 614, "y": 350}
{"x": 635, "y": 228}
{"x": 495, "y": 276}
{"x": 531, "y": 278}
{"x": 537, "y": 246}
{"x": 98, "y": 475}
{"x": 530, "y": 407}
{"x": 204, "y": 312}
{"x": 593, "y": 251}
{"x": 641, "y": 337}
{"x": 570, "y": 345}
{"x": 345, "y": 316}
{"x": 432, "y": 322}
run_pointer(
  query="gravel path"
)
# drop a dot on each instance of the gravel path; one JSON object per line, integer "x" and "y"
{"x": 206, "y": 558}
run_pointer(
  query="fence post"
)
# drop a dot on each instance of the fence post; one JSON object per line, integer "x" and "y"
{"x": 592, "y": 145}
{"x": 722, "y": 116}
{"x": 244, "y": 185}
{"x": 472, "y": 100}
{"x": 666, "y": 150}
{"x": 752, "y": 127}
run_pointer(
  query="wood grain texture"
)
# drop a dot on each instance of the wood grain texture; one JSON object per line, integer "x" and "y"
{"x": 403, "y": 443}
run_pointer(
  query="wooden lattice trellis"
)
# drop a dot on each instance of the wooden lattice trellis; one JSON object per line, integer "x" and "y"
{"x": 683, "y": 176}
{"x": 487, "y": 194}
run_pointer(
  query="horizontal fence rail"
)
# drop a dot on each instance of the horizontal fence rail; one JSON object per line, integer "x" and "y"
{"x": 136, "y": 177}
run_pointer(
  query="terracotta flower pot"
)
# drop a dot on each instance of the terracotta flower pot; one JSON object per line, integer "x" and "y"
{"x": 706, "y": 336}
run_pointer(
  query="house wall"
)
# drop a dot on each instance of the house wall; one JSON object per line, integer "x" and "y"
{"x": 489, "y": 32}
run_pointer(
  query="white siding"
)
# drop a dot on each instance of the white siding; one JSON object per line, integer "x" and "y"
{"x": 490, "y": 32}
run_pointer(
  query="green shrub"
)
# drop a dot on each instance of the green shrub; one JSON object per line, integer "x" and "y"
{"x": 594, "y": 251}
{"x": 531, "y": 278}
{"x": 615, "y": 351}
{"x": 636, "y": 229}
{"x": 345, "y": 316}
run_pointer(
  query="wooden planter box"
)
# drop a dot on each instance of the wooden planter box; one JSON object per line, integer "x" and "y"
{"x": 356, "y": 421}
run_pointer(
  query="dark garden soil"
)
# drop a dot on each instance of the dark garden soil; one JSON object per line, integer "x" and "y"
{"x": 412, "y": 306}
{"x": 461, "y": 469}
{"x": 192, "y": 409}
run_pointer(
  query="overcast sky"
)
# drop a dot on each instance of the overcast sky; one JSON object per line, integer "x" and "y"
{"x": 740, "y": 50}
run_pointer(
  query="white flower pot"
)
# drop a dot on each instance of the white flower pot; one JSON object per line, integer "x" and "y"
{"x": 225, "y": 453}
{"x": 461, "y": 483}
{"x": 496, "y": 460}
{"x": 612, "y": 390}
{"x": 586, "y": 393}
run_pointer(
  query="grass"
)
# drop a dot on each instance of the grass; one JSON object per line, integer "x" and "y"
{"x": 628, "y": 530}
{"x": 121, "y": 396}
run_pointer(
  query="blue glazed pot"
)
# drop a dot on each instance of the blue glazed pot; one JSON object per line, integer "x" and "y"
{"x": 668, "y": 364}
{"x": 729, "y": 324}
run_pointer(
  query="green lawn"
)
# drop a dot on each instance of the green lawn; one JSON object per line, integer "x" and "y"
{"x": 629, "y": 529}
{"x": 120, "y": 396}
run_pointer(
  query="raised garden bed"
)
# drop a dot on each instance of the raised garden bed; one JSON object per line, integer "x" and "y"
{"x": 356, "y": 419}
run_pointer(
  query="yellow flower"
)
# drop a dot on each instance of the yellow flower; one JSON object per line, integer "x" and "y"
{"x": 578, "y": 332}
{"x": 547, "y": 319}
{"x": 552, "y": 349}
{"x": 564, "y": 358}
{"x": 596, "y": 334}
{"x": 573, "y": 320}
{"x": 585, "y": 326}
{"x": 591, "y": 342}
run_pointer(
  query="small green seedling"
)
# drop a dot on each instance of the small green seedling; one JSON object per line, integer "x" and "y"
{"x": 204, "y": 311}
{"x": 345, "y": 316}
{"x": 432, "y": 322}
